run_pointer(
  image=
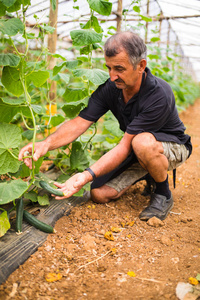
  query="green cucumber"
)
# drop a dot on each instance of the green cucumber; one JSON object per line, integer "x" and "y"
{"x": 19, "y": 215}
{"x": 29, "y": 218}
{"x": 50, "y": 189}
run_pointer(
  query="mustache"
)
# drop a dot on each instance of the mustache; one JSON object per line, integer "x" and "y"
{"x": 119, "y": 80}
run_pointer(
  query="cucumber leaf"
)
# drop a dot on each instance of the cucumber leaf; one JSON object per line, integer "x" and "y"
{"x": 73, "y": 95}
{"x": 4, "y": 223}
{"x": 82, "y": 37}
{"x": 11, "y": 81}
{"x": 38, "y": 77}
{"x": 8, "y": 3}
{"x": 11, "y": 26}
{"x": 9, "y": 59}
{"x": 96, "y": 76}
{"x": 10, "y": 138}
{"x": 78, "y": 158}
{"x": 43, "y": 200}
{"x": 12, "y": 190}
{"x": 72, "y": 111}
{"x": 32, "y": 195}
{"x": 102, "y": 7}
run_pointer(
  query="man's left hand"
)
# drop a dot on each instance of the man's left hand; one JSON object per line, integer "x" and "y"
{"x": 72, "y": 185}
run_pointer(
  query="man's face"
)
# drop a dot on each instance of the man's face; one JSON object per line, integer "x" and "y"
{"x": 122, "y": 72}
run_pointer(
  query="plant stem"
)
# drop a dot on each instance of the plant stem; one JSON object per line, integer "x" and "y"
{"x": 29, "y": 128}
{"x": 94, "y": 133}
{"x": 13, "y": 155}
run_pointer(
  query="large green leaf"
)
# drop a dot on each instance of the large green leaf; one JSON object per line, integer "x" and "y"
{"x": 112, "y": 126}
{"x": 79, "y": 158}
{"x": 7, "y": 112}
{"x": 63, "y": 76}
{"x": 93, "y": 23}
{"x": 58, "y": 68}
{"x": 56, "y": 120}
{"x": 12, "y": 190}
{"x": 73, "y": 64}
{"x": 10, "y": 138}
{"x": 11, "y": 81}
{"x": 15, "y": 7}
{"x": 2, "y": 10}
{"x": 102, "y": 7}
{"x": 32, "y": 195}
{"x": 38, "y": 77}
{"x": 82, "y": 37}
{"x": 72, "y": 111}
{"x": 4, "y": 223}
{"x": 70, "y": 64}
{"x": 72, "y": 95}
{"x": 13, "y": 101}
{"x": 9, "y": 59}
{"x": 96, "y": 76}
{"x": 8, "y": 3}
{"x": 11, "y": 26}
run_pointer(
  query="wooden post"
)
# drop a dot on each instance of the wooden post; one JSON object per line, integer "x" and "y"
{"x": 147, "y": 23}
{"x": 160, "y": 29}
{"x": 52, "y": 41}
{"x": 119, "y": 15}
{"x": 168, "y": 38}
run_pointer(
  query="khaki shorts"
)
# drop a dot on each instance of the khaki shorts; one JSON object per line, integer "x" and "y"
{"x": 175, "y": 153}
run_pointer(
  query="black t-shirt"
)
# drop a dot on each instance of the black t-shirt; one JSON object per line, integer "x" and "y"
{"x": 152, "y": 110}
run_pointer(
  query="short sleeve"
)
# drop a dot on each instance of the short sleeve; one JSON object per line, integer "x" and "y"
{"x": 97, "y": 105}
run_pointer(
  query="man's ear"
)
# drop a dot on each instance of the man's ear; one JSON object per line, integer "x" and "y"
{"x": 142, "y": 65}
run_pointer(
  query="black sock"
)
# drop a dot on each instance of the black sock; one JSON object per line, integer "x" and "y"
{"x": 162, "y": 188}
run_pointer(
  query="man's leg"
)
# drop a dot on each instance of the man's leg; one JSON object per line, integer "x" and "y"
{"x": 117, "y": 186}
{"x": 157, "y": 158}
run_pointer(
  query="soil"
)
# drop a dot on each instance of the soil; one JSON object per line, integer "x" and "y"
{"x": 142, "y": 260}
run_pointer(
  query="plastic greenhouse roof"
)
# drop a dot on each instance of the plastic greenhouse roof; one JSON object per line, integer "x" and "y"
{"x": 186, "y": 29}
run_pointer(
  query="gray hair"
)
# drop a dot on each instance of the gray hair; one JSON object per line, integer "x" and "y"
{"x": 128, "y": 41}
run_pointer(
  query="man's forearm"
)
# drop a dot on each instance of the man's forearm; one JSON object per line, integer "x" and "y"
{"x": 105, "y": 164}
{"x": 67, "y": 133}
{"x": 113, "y": 158}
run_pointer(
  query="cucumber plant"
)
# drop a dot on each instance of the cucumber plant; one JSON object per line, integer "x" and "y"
{"x": 23, "y": 82}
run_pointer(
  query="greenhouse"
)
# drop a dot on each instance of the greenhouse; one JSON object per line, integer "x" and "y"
{"x": 99, "y": 149}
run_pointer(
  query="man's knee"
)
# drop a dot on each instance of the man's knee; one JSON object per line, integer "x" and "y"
{"x": 144, "y": 144}
{"x": 103, "y": 194}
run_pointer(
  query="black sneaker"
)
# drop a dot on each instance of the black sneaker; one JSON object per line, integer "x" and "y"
{"x": 159, "y": 207}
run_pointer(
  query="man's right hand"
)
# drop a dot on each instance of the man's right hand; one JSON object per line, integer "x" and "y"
{"x": 40, "y": 149}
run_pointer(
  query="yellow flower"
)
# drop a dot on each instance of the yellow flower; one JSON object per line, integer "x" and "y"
{"x": 193, "y": 281}
{"x": 114, "y": 251}
{"x": 131, "y": 274}
{"x": 109, "y": 236}
{"x": 51, "y": 277}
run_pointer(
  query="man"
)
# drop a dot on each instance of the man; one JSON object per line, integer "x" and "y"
{"x": 154, "y": 140}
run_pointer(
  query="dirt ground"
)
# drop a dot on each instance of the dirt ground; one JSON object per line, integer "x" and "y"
{"x": 142, "y": 261}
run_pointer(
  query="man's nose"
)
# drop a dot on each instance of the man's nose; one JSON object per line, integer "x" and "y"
{"x": 113, "y": 75}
